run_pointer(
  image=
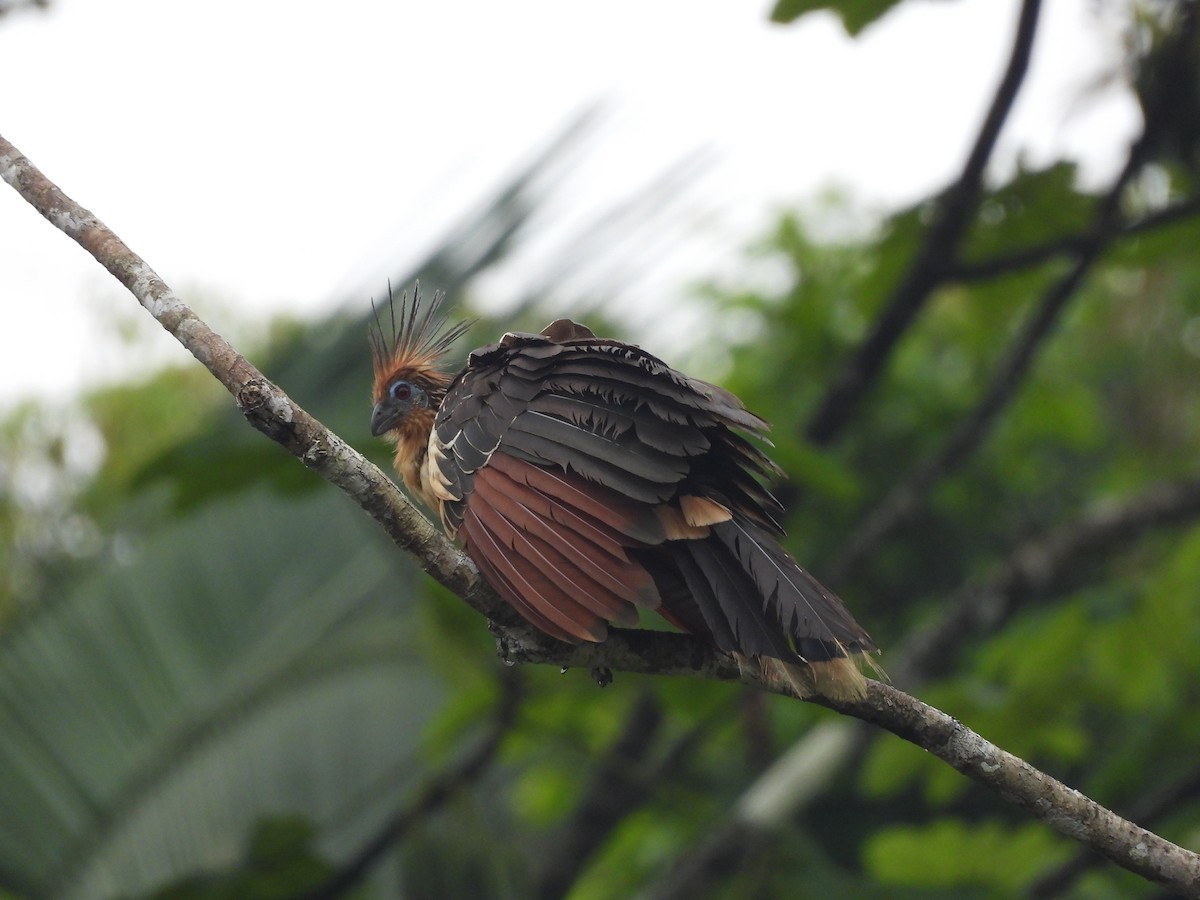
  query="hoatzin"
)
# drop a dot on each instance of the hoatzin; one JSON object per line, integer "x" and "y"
{"x": 588, "y": 479}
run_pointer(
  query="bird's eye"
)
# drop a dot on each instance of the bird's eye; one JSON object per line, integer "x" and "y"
{"x": 400, "y": 390}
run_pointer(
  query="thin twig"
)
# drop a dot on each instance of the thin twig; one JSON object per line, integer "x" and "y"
{"x": 276, "y": 415}
{"x": 1068, "y": 245}
{"x": 937, "y": 255}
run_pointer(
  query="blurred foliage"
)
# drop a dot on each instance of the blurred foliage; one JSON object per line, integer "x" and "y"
{"x": 279, "y": 863}
{"x": 10, "y": 6}
{"x": 855, "y": 14}
{"x": 217, "y": 678}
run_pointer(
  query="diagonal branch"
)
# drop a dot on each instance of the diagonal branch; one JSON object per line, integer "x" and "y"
{"x": 1167, "y": 799}
{"x": 1032, "y": 569}
{"x": 266, "y": 407}
{"x": 1043, "y": 797}
{"x": 937, "y": 255}
{"x": 907, "y": 497}
{"x": 271, "y": 411}
{"x": 1038, "y": 794}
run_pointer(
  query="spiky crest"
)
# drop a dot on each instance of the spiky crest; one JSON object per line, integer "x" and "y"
{"x": 419, "y": 339}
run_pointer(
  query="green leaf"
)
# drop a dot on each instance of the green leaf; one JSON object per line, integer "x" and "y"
{"x": 855, "y": 14}
{"x": 953, "y": 853}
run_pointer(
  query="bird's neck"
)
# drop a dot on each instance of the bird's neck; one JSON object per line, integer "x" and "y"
{"x": 412, "y": 454}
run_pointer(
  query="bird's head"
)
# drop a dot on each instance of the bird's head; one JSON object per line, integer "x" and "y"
{"x": 408, "y": 360}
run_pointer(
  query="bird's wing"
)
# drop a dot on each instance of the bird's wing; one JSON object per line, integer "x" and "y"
{"x": 588, "y": 478}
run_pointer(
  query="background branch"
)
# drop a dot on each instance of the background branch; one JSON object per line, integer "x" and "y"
{"x": 937, "y": 255}
{"x": 908, "y": 496}
{"x": 1035, "y": 565}
{"x": 1069, "y": 245}
{"x": 271, "y": 411}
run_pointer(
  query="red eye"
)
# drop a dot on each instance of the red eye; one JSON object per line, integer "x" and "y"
{"x": 401, "y": 390}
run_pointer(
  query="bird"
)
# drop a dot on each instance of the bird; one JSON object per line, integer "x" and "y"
{"x": 589, "y": 480}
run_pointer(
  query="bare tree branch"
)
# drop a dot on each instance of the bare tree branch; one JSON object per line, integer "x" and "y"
{"x": 1156, "y": 805}
{"x": 974, "y": 610}
{"x": 276, "y": 415}
{"x": 1063, "y": 809}
{"x": 937, "y": 254}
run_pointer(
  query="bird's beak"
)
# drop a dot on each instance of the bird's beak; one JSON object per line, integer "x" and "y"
{"x": 384, "y": 417}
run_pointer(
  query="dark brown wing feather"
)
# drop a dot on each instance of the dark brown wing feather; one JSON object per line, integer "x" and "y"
{"x": 565, "y": 457}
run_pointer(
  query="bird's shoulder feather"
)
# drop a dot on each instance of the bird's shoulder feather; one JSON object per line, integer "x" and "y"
{"x": 601, "y": 408}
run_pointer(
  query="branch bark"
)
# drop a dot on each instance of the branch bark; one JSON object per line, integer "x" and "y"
{"x": 272, "y": 412}
{"x": 1168, "y": 798}
{"x": 1047, "y": 799}
{"x": 974, "y": 610}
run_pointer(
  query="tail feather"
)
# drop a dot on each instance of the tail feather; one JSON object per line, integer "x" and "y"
{"x": 735, "y": 600}
{"x": 811, "y": 615}
{"x": 838, "y": 679}
{"x": 754, "y": 600}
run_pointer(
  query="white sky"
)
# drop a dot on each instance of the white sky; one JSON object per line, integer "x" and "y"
{"x": 272, "y": 154}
